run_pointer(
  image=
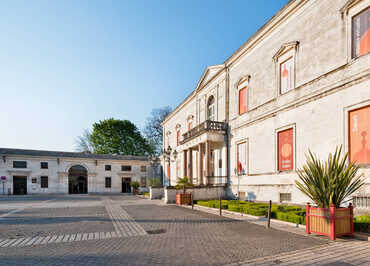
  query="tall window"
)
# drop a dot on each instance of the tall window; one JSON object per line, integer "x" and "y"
{"x": 108, "y": 167}
{"x": 44, "y": 182}
{"x": 361, "y": 33}
{"x": 286, "y": 76}
{"x": 211, "y": 108}
{"x": 178, "y": 137}
{"x": 169, "y": 171}
{"x": 359, "y": 135}
{"x": 285, "y": 150}
{"x": 242, "y": 158}
{"x": 143, "y": 181}
{"x": 108, "y": 182}
{"x": 190, "y": 125}
{"x": 243, "y": 100}
{"x": 178, "y": 168}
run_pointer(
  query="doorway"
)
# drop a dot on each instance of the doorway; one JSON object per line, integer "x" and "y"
{"x": 126, "y": 185}
{"x": 77, "y": 180}
{"x": 20, "y": 185}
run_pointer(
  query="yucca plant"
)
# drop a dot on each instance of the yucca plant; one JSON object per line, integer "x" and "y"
{"x": 329, "y": 182}
{"x": 183, "y": 183}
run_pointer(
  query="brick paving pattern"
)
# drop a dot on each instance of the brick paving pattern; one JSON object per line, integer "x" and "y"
{"x": 143, "y": 232}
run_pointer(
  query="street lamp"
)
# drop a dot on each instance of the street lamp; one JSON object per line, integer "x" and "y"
{"x": 167, "y": 157}
{"x": 154, "y": 162}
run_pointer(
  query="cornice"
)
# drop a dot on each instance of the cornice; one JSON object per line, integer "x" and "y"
{"x": 286, "y": 11}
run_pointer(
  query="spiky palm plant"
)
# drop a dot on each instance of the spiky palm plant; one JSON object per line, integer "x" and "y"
{"x": 329, "y": 182}
{"x": 183, "y": 183}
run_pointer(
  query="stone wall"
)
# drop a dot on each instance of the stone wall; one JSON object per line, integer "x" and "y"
{"x": 202, "y": 193}
{"x": 156, "y": 192}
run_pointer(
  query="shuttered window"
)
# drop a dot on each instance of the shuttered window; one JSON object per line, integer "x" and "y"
{"x": 285, "y": 150}
{"x": 243, "y": 100}
{"x": 361, "y": 33}
{"x": 44, "y": 182}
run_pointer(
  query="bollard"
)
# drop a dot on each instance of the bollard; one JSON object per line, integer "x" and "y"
{"x": 269, "y": 215}
{"x": 220, "y": 205}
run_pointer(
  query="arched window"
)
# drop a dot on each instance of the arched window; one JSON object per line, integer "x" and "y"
{"x": 211, "y": 108}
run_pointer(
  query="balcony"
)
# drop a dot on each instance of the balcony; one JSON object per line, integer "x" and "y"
{"x": 206, "y": 126}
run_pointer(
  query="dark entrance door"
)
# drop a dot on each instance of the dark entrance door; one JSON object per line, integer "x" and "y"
{"x": 77, "y": 180}
{"x": 126, "y": 185}
{"x": 19, "y": 185}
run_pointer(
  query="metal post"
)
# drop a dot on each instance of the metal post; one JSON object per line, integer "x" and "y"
{"x": 220, "y": 204}
{"x": 269, "y": 215}
{"x": 308, "y": 231}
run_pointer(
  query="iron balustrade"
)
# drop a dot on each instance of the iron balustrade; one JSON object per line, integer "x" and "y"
{"x": 206, "y": 126}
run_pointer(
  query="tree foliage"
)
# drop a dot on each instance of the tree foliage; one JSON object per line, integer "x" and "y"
{"x": 329, "y": 182}
{"x": 153, "y": 129}
{"x": 114, "y": 136}
{"x": 83, "y": 142}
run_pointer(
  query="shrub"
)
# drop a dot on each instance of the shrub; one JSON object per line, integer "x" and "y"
{"x": 289, "y": 208}
{"x": 290, "y": 217}
{"x": 329, "y": 182}
{"x": 362, "y": 223}
{"x": 255, "y": 211}
{"x": 235, "y": 207}
{"x": 203, "y": 203}
{"x": 147, "y": 194}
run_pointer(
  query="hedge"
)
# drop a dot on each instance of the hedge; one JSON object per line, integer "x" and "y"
{"x": 362, "y": 223}
{"x": 293, "y": 214}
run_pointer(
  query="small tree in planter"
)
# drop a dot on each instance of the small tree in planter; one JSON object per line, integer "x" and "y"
{"x": 329, "y": 184}
{"x": 135, "y": 185}
{"x": 183, "y": 198}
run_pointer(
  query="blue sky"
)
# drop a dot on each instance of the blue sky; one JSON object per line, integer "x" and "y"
{"x": 67, "y": 64}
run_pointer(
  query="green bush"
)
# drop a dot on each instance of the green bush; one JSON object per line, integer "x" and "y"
{"x": 255, "y": 211}
{"x": 362, "y": 223}
{"x": 146, "y": 194}
{"x": 235, "y": 207}
{"x": 290, "y": 217}
{"x": 203, "y": 203}
{"x": 289, "y": 208}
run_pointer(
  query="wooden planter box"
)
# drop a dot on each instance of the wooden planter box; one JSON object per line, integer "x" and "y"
{"x": 183, "y": 199}
{"x": 330, "y": 222}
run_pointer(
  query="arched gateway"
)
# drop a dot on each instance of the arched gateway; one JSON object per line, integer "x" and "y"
{"x": 77, "y": 180}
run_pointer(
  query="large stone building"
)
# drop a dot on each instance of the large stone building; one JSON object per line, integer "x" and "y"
{"x": 49, "y": 172}
{"x": 302, "y": 81}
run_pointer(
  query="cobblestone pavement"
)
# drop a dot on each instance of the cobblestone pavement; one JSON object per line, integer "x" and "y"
{"x": 126, "y": 230}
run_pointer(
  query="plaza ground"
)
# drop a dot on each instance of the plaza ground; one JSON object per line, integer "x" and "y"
{"x": 128, "y": 230}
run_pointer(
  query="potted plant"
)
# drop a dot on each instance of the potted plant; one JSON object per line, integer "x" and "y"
{"x": 183, "y": 198}
{"x": 135, "y": 186}
{"x": 329, "y": 184}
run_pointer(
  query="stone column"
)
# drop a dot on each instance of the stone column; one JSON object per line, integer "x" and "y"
{"x": 208, "y": 152}
{"x": 190, "y": 166}
{"x": 200, "y": 164}
{"x": 185, "y": 163}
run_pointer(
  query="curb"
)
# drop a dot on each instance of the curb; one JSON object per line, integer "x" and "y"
{"x": 359, "y": 236}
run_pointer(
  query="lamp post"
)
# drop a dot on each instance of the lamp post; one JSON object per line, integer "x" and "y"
{"x": 167, "y": 157}
{"x": 154, "y": 162}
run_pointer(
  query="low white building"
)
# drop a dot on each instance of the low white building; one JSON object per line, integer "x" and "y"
{"x": 44, "y": 172}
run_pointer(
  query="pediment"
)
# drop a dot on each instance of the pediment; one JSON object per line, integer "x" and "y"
{"x": 208, "y": 74}
{"x": 284, "y": 48}
{"x": 348, "y": 5}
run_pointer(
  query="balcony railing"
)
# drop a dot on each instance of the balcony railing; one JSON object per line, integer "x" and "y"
{"x": 206, "y": 126}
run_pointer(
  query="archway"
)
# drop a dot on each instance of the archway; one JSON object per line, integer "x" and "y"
{"x": 77, "y": 180}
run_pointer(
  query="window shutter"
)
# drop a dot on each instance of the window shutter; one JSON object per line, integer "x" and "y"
{"x": 242, "y": 100}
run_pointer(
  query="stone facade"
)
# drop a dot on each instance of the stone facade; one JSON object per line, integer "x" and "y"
{"x": 326, "y": 83}
{"x": 58, "y": 171}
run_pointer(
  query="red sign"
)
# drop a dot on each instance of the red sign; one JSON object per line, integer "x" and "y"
{"x": 359, "y": 135}
{"x": 285, "y": 150}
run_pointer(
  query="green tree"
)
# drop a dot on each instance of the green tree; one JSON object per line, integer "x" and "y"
{"x": 114, "y": 136}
